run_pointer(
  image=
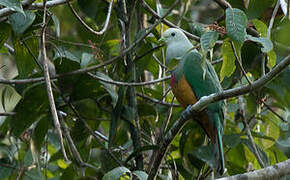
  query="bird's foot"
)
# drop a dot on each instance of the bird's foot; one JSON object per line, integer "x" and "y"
{"x": 186, "y": 113}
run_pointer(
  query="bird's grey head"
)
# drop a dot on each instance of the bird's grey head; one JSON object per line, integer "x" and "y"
{"x": 177, "y": 44}
{"x": 174, "y": 35}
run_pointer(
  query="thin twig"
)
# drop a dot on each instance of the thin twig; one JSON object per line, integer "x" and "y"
{"x": 248, "y": 131}
{"x": 148, "y": 52}
{"x": 223, "y": 3}
{"x": 120, "y": 83}
{"x": 274, "y": 112}
{"x": 7, "y": 113}
{"x": 48, "y": 83}
{"x": 251, "y": 139}
{"x": 156, "y": 101}
{"x": 240, "y": 63}
{"x": 272, "y": 19}
{"x": 87, "y": 26}
{"x": 69, "y": 140}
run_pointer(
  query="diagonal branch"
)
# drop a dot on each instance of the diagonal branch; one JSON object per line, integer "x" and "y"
{"x": 4, "y": 12}
{"x": 205, "y": 101}
{"x": 276, "y": 171}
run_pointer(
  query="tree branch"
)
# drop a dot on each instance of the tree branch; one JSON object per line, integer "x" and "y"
{"x": 27, "y": 5}
{"x": 48, "y": 83}
{"x": 223, "y": 4}
{"x": 271, "y": 172}
{"x": 120, "y": 83}
{"x": 205, "y": 101}
{"x": 87, "y": 26}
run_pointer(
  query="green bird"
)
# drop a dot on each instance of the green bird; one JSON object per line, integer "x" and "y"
{"x": 190, "y": 81}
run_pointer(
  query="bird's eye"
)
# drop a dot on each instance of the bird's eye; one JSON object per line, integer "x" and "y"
{"x": 173, "y": 34}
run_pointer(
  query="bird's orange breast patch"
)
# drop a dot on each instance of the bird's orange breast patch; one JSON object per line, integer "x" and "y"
{"x": 183, "y": 92}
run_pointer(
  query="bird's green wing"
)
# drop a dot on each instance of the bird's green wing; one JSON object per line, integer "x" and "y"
{"x": 204, "y": 86}
{"x": 200, "y": 84}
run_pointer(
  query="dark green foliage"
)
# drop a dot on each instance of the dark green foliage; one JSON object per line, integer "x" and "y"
{"x": 28, "y": 138}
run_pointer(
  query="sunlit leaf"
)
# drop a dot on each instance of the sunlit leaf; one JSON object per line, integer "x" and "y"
{"x": 228, "y": 66}
{"x": 261, "y": 27}
{"x": 116, "y": 173}
{"x": 271, "y": 59}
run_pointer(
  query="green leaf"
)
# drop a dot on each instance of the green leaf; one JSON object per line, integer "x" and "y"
{"x": 261, "y": 152}
{"x": 21, "y": 22}
{"x": 40, "y": 132}
{"x": 65, "y": 65}
{"x": 271, "y": 59}
{"x": 236, "y": 22}
{"x": 87, "y": 87}
{"x": 24, "y": 60}
{"x": 28, "y": 158}
{"x": 87, "y": 59}
{"x": 9, "y": 97}
{"x": 236, "y": 160}
{"x": 270, "y": 128}
{"x": 57, "y": 26}
{"x": 5, "y": 171}
{"x": 141, "y": 149}
{"x": 14, "y": 5}
{"x": 69, "y": 173}
{"x": 33, "y": 104}
{"x": 261, "y": 27}
{"x": 116, "y": 173}
{"x": 228, "y": 66}
{"x": 257, "y": 8}
{"x": 116, "y": 114}
{"x": 109, "y": 87}
{"x": 284, "y": 140}
{"x": 33, "y": 174}
{"x": 208, "y": 40}
{"x": 232, "y": 140}
{"x": 141, "y": 175}
{"x": 265, "y": 42}
{"x": 5, "y": 31}
{"x": 205, "y": 153}
{"x": 62, "y": 52}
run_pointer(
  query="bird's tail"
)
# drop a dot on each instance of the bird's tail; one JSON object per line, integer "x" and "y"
{"x": 219, "y": 151}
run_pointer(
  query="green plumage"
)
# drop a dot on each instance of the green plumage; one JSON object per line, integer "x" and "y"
{"x": 191, "y": 81}
{"x": 204, "y": 85}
